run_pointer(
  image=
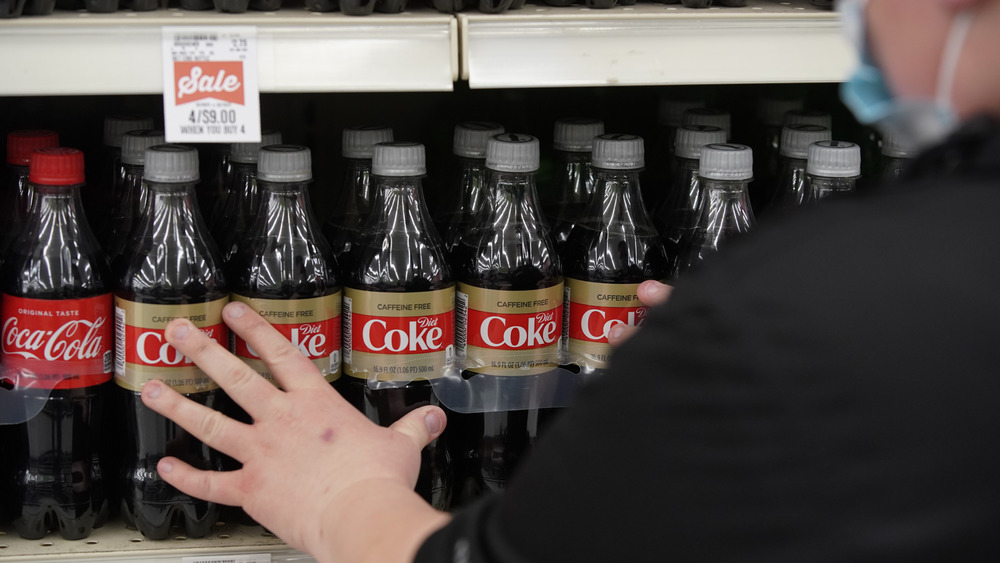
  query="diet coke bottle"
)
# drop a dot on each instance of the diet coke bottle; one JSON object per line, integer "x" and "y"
{"x": 469, "y": 148}
{"x": 57, "y": 333}
{"x": 399, "y": 308}
{"x": 171, "y": 270}
{"x": 510, "y": 313}
{"x": 609, "y": 253}
{"x": 284, "y": 269}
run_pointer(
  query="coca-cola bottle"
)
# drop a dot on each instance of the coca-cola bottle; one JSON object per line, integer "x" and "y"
{"x": 117, "y": 231}
{"x": 832, "y": 170}
{"x": 726, "y": 171}
{"x": 170, "y": 270}
{"x": 574, "y": 180}
{"x": 101, "y": 196}
{"x": 509, "y": 322}
{"x": 399, "y": 308}
{"x": 284, "y": 269}
{"x": 676, "y": 217}
{"x": 358, "y": 193}
{"x": 609, "y": 253}
{"x": 790, "y": 189}
{"x": 16, "y": 197}
{"x": 771, "y": 114}
{"x": 239, "y": 207}
{"x": 659, "y": 170}
{"x": 57, "y": 332}
{"x": 469, "y": 147}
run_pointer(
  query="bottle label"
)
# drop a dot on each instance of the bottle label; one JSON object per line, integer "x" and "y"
{"x": 58, "y": 344}
{"x": 502, "y": 332}
{"x": 312, "y": 325}
{"x": 593, "y": 309}
{"x": 398, "y": 336}
{"x": 143, "y": 354}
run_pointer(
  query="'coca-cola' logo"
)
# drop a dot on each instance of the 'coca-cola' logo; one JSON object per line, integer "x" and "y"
{"x": 524, "y": 331}
{"x": 593, "y": 324}
{"x": 75, "y": 340}
{"x": 315, "y": 340}
{"x": 403, "y": 335}
{"x": 71, "y": 338}
{"x": 149, "y": 347}
{"x": 221, "y": 80}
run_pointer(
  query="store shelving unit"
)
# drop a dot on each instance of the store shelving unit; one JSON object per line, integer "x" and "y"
{"x": 416, "y": 51}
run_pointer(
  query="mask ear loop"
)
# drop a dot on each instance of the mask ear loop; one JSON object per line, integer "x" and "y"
{"x": 950, "y": 57}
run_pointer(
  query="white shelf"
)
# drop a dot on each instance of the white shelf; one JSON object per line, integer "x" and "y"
{"x": 115, "y": 543}
{"x": 300, "y": 51}
{"x": 653, "y": 44}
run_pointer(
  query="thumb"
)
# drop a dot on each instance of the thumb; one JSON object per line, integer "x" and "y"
{"x": 652, "y": 293}
{"x": 421, "y": 425}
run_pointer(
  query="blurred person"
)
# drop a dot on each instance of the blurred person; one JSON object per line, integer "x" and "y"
{"x": 825, "y": 389}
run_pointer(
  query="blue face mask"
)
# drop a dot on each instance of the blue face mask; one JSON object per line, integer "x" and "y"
{"x": 919, "y": 123}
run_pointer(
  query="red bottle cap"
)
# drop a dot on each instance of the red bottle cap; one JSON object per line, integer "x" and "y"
{"x": 56, "y": 167}
{"x": 20, "y": 144}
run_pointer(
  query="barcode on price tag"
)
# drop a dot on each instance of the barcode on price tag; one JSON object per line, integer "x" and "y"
{"x": 210, "y": 91}
{"x": 247, "y": 558}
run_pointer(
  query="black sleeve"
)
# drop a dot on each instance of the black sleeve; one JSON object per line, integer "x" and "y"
{"x": 824, "y": 390}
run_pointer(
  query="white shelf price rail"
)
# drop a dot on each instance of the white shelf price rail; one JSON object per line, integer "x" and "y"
{"x": 299, "y": 51}
{"x": 654, "y": 44}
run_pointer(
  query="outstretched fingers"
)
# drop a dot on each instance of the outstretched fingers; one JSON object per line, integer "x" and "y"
{"x": 215, "y": 429}
{"x": 290, "y": 368}
{"x": 223, "y": 487}
{"x": 245, "y": 386}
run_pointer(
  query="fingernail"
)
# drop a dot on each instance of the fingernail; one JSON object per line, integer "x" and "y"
{"x": 153, "y": 390}
{"x": 235, "y": 310}
{"x": 165, "y": 466}
{"x": 180, "y": 332}
{"x": 655, "y": 289}
{"x": 433, "y": 422}
{"x": 616, "y": 332}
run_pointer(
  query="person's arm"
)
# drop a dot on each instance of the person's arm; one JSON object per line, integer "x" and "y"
{"x": 315, "y": 471}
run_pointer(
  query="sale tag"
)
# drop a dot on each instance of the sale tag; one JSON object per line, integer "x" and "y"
{"x": 210, "y": 92}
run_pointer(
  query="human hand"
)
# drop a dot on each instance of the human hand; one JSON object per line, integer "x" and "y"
{"x": 651, "y": 293}
{"x": 316, "y": 471}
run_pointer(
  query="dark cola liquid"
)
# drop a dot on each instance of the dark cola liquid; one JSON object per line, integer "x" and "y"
{"x": 508, "y": 249}
{"x": 400, "y": 252}
{"x": 159, "y": 268}
{"x": 575, "y": 184}
{"x": 352, "y": 210}
{"x": 54, "y": 465}
{"x": 238, "y": 209}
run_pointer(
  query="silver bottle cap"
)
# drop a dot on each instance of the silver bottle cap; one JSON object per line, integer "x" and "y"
{"x": 358, "y": 141}
{"x": 795, "y": 139}
{"x": 726, "y": 161}
{"x": 691, "y": 138}
{"x": 576, "y": 134}
{"x": 471, "y": 137}
{"x": 171, "y": 164}
{"x": 246, "y": 153}
{"x": 712, "y": 117}
{"x": 809, "y": 117}
{"x": 672, "y": 111}
{"x": 284, "y": 163}
{"x": 834, "y": 159}
{"x": 398, "y": 159}
{"x": 135, "y": 143}
{"x": 895, "y": 146}
{"x": 771, "y": 111}
{"x": 115, "y": 127}
{"x": 616, "y": 151}
{"x": 512, "y": 152}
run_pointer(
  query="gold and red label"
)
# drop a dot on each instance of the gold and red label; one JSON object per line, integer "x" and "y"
{"x": 593, "y": 309}
{"x": 143, "y": 353}
{"x": 311, "y": 325}
{"x": 501, "y": 332}
{"x": 58, "y": 344}
{"x": 397, "y": 336}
